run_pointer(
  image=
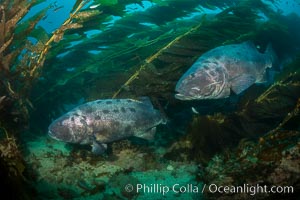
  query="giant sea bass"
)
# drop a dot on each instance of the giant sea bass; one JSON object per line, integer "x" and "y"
{"x": 225, "y": 69}
{"x": 103, "y": 121}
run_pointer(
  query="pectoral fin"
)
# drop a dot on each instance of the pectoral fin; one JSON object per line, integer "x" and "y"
{"x": 148, "y": 135}
{"x": 98, "y": 148}
{"x": 241, "y": 83}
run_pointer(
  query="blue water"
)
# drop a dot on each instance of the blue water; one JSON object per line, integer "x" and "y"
{"x": 133, "y": 50}
{"x": 59, "y": 10}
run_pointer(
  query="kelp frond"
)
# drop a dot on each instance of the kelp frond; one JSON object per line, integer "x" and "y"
{"x": 56, "y": 37}
{"x": 11, "y": 12}
{"x": 228, "y": 27}
{"x": 21, "y": 59}
{"x": 153, "y": 57}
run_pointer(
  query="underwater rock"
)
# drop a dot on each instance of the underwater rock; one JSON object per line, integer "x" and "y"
{"x": 272, "y": 161}
{"x": 12, "y": 166}
{"x": 118, "y": 184}
{"x": 66, "y": 193}
{"x": 180, "y": 151}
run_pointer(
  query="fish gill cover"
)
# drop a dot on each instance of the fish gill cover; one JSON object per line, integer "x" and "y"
{"x": 133, "y": 48}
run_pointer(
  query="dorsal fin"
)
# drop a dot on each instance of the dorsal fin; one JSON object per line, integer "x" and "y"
{"x": 249, "y": 43}
{"x": 270, "y": 53}
{"x": 145, "y": 100}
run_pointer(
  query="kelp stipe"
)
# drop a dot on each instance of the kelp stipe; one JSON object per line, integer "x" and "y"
{"x": 21, "y": 61}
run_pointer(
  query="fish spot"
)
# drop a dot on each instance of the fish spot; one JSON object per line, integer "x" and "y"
{"x": 84, "y": 117}
{"x": 97, "y": 117}
{"x": 123, "y": 109}
{"x": 115, "y": 110}
{"x": 132, "y": 109}
{"x": 129, "y": 100}
{"x": 99, "y": 101}
{"x": 108, "y": 102}
{"x": 118, "y": 100}
{"x": 82, "y": 121}
{"x": 105, "y": 111}
{"x": 72, "y": 119}
{"x": 76, "y": 114}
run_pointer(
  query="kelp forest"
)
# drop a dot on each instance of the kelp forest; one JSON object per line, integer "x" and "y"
{"x": 111, "y": 49}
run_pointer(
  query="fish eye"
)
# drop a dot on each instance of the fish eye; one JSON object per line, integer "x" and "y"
{"x": 192, "y": 75}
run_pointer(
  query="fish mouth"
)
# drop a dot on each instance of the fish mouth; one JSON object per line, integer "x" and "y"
{"x": 52, "y": 135}
{"x": 183, "y": 97}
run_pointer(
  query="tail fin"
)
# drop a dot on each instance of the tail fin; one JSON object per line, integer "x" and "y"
{"x": 270, "y": 53}
{"x": 163, "y": 115}
{"x": 164, "y": 118}
{"x": 274, "y": 67}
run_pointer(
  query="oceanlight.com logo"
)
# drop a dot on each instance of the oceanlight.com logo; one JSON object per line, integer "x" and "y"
{"x": 249, "y": 189}
{"x": 210, "y": 188}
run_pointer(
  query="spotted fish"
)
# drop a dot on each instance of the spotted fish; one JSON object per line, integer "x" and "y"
{"x": 104, "y": 121}
{"x": 225, "y": 69}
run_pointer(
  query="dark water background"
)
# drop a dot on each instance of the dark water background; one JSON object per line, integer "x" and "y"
{"x": 132, "y": 48}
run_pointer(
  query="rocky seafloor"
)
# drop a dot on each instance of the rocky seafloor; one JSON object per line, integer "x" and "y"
{"x": 62, "y": 173}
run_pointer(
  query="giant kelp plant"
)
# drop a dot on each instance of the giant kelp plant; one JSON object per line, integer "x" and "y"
{"x": 120, "y": 51}
{"x": 12, "y": 165}
{"x": 23, "y": 49}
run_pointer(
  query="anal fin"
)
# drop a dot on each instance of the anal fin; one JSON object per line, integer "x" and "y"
{"x": 98, "y": 148}
{"x": 148, "y": 135}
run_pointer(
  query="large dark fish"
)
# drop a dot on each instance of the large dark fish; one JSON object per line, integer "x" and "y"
{"x": 103, "y": 121}
{"x": 224, "y": 69}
